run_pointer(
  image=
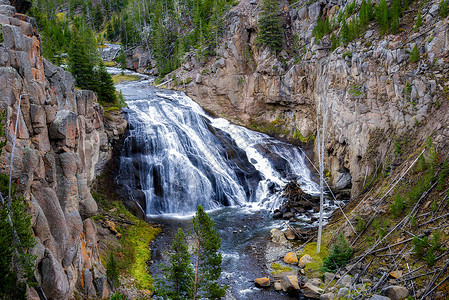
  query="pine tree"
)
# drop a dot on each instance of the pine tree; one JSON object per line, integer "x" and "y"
{"x": 178, "y": 274}
{"x": 270, "y": 25}
{"x": 112, "y": 272}
{"x": 80, "y": 64}
{"x": 443, "y": 9}
{"x": 104, "y": 85}
{"x": 207, "y": 258}
{"x": 395, "y": 15}
{"x": 414, "y": 55}
{"x": 15, "y": 239}
{"x": 345, "y": 33}
{"x": 121, "y": 58}
{"x": 382, "y": 16}
{"x": 418, "y": 22}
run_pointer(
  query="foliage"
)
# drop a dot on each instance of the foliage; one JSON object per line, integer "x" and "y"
{"x": 360, "y": 225}
{"x": 270, "y": 25}
{"x": 121, "y": 58}
{"x": 117, "y": 296}
{"x": 382, "y": 16}
{"x": 381, "y": 228}
{"x": 418, "y": 22}
{"x": 178, "y": 274}
{"x": 443, "y": 10}
{"x": 443, "y": 175}
{"x": 277, "y": 268}
{"x": 426, "y": 249}
{"x": 421, "y": 164}
{"x": 104, "y": 86}
{"x": 339, "y": 255}
{"x": 366, "y": 13}
{"x": 397, "y": 208}
{"x": 322, "y": 28}
{"x": 207, "y": 258}
{"x": 112, "y": 271}
{"x": 16, "y": 238}
{"x": 395, "y": 15}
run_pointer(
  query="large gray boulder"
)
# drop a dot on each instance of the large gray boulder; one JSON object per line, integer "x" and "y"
{"x": 395, "y": 292}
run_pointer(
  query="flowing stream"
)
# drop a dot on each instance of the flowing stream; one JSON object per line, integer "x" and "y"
{"x": 176, "y": 157}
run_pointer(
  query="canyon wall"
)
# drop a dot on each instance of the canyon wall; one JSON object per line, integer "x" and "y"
{"x": 61, "y": 146}
{"x": 373, "y": 96}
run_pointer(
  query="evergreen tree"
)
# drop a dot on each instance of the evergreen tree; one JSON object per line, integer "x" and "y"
{"x": 121, "y": 59}
{"x": 15, "y": 239}
{"x": 414, "y": 55}
{"x": 104, "y": 85}
{"x": 345, "y": 33}
{"x": 179, "y": 274}
{"x": 395, "y": 15}
{"x": 80, "y": 63}
{"x": 207, "y": 258}
{"x": 418, "y": 22}
{"x": 382, "y": 16}
{"x": 112, "y": 272}
{"x": 270, "y": 25}
{"x": 443, "y": 9}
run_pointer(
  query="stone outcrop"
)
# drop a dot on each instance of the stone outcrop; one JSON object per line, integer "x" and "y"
{"x": 61, "y": 146}
{"x": 371, "y": 92}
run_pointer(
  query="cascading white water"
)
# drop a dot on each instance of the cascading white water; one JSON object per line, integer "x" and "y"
{"x": 182, "y": 158}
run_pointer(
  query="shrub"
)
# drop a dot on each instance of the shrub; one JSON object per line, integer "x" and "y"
{"x": 420, "y": 245}
{"x": 339, "y": 255}
{"x": 443, "y": 10}
{"x": 418, "y": 22}
{"x": 360, "y": 225}
{"x": 112, "y": 271}
{"x": 117, "y": 296}
{"x": 398, "y": 206}
{"x": 414, "y": 55}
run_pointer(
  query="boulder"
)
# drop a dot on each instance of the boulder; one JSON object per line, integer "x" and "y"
{"x": 346, "y": 281}
{"x": 277, "y": 286}
{"x": 342, "y": 292}
{"x": 327, "y": 296}
{"x": 395, "y": 292}
{"x": 306, "y": 259}
{"x": 379, "y": 297}
{"x": 289, "y": 234}
{"x": 277, "y": 236}
{"x": 262, "y": 282}
{"x": 289, "y": 283}
{"x": 311, "y": 291}
{"x": 291, "y": 258}
{"x": 328, "y": 277}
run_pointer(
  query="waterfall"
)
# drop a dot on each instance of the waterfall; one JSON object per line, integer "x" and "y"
{"x": 177, "y": 157}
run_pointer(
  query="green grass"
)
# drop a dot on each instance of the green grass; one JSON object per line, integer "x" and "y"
{"x": 109, "y": 63}
{"x": 277, "y": 268}
{"x": 314, "y": 268}
{"x": 119, "y": 78}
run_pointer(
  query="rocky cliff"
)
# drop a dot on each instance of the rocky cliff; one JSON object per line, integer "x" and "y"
{"x": 61, "y": 146}
{"x": 373, "y": 96}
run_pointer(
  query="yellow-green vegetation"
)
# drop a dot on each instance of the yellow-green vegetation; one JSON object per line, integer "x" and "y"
{"x": 120, "y": 78}
{"x": 297, "y": 135}
{"x": 136, "y": 240}
{"x": 277, "y": 268}
{"x": 276, "y": 127}
{"x": 313, "y": 269}
{"x": 110, "y": 63}
{"x": 133, "y": 248}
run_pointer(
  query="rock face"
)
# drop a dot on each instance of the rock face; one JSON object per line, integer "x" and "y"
{"x": 369, "y": 89}
{"x": 61, "y": 146}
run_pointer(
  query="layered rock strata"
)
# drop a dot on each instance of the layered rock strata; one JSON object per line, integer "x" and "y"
{"x": 372, "y": 94}
{"x": 61, "y": 146}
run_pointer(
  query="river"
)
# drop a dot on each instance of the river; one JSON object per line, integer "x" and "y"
{"x": 178, "y": 157}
